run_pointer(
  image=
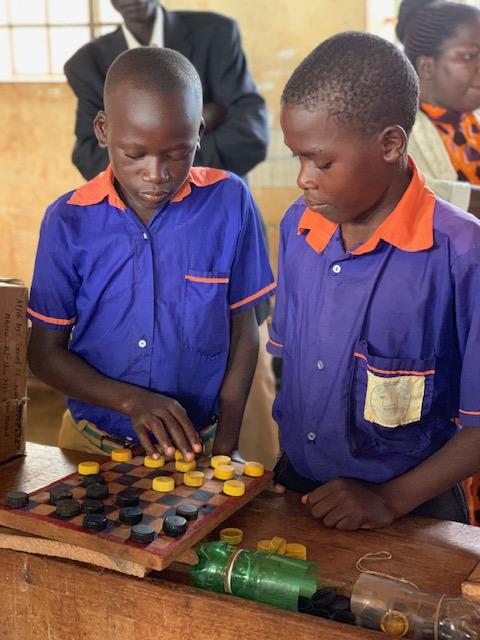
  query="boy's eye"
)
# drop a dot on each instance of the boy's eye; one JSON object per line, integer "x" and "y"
{"x": 132, "y": 156}
{"x": 324, "y": 166}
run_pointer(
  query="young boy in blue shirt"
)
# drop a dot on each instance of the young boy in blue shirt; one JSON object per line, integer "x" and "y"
{"x": 146, "y": 277}
{"x": 378, "y": 310}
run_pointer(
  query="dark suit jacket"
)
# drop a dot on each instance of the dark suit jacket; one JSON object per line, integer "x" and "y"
{"x": 212, "y": 43}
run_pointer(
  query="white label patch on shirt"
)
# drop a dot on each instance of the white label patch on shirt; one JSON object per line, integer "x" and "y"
{"x": 391, "y": 402}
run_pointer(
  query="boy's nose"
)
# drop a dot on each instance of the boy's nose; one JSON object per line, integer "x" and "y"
{"x": 305, "y": 180}
{"x": 156, "y": 172}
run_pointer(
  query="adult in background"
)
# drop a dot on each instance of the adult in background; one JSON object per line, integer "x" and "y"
{"x": 442, "y": 40}
{"x": 236, "y": 133}
{"x": 235, "y": 138}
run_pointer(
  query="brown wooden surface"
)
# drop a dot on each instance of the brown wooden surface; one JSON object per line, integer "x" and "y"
{"x": 471, "y": 586}
{"x": 61, "y": 600}
{"x": 161, "y": 553}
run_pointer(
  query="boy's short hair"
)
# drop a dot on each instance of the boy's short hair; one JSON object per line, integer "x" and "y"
{"x": 154, "y": 69}
{"x": 360, "y": 79}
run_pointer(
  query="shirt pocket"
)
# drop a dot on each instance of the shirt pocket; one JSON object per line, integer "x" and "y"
{"x": 206, "y": 313}
{"x": 391, "y": 400}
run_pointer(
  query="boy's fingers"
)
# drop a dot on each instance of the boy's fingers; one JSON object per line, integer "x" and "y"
{"x": 182, "y": 418}
{"x": 305, "y": 498}
{"x": 279, "y": 488}
{"x": 178, "y": 436}
{"x": 157, "y": 427}
{"x": 145, "y": 440}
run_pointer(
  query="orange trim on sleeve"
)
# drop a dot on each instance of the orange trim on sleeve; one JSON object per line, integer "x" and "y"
{"x": 470, "y": 413}
{"x": 408, "y": 227}
{"x": 235, "y": 305}
{"x": 207, "y": 280}
{"x": 57, "y": 321}
{"x": 275, "y": 344}
{"x": 397, "y": 372}
{"x": 200, "y": 177}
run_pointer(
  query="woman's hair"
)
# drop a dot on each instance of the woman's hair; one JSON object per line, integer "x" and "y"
{"x": 424, "y": 25}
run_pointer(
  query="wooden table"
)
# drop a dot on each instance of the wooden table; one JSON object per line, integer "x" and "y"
{"x": 50, "y": 599}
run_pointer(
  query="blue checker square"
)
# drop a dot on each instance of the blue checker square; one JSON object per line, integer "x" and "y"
{"x": 170, "y": 499}
{"x": 124, "y": 467}
{"x": 202, "y": 495}
{"x": 126, "y": 480}
{"x": 207, "y": 508}
{"x": 169, "y": 512}
{"x": 159, "y": 472}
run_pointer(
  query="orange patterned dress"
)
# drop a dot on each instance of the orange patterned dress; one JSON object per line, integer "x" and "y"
{"x": 460, "y": 133}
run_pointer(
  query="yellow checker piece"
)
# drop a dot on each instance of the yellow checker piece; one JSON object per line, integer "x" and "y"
{"x": 254, "y": 469}
{"x": 121, "y": 455}
{"x": 88, "y": 468}
{"x": 224, "y": 472}
{"x": 215, "y": 461}
{"x": 193, "y": 478}
{"x": 296, "y": 550}
{"x": 231, "y": 535}
{"x": 164, "y": 484}
{"x": 153, "y": 463}
{"x": 183, "y": 465}
{"x": 234, "y": 488}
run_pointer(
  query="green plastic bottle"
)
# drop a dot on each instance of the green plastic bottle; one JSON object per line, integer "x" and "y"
{"x": 264, "y": 577}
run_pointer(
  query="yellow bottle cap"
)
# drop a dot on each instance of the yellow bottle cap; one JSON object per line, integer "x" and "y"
{"x": 193, "y": 478}
{"x": 265, "y": 546}
{"x": 224, "y": 472}
{"x": 121, "y": 455}
{"x": 279, "y": 545}
{"x": 178, "y": 454}
{"x": 183, "y": 465}
{"x": 395, "y": 623}
{"x": 163, "y": 484}
{"x": 254, "y": 469}
{"x": 152, "y": 463}
{"x": 295, "y": 550}
{"x": 231, "y": 535}
{"x": 234, "y": 488}
{"x": 216, "y": 460}
{"x": 87, "y": 468}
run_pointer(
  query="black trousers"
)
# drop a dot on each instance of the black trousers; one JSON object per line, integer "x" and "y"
{"x": 450, "y": 505}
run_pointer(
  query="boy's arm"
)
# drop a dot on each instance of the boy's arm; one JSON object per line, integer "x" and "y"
{"x": 50, "y": 360}
{"x": 350, "y": 504}
{"x": 238, "y": 378}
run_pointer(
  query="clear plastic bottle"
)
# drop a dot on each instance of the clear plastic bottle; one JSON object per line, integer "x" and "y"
{"x": 264, "y": 577}
{"x": 400, "y": 610}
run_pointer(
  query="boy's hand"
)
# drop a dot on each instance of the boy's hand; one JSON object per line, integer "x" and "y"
{"x": 348, "y": 505}
{"x": 169, "y": 423}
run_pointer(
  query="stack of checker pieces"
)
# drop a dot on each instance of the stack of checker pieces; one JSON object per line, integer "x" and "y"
{"x": 39, "y": 516}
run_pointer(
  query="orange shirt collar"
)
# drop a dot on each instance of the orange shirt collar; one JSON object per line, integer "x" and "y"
{"x": 102, "y": 186}
{"x": 408, "y": 227}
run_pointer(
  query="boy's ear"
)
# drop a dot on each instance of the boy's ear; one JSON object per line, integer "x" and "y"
{"x": 100, "y": 127}
{"x": 201, "y": 131}
{"x": 425, "y": 67}
{"x": 394, "y": 143}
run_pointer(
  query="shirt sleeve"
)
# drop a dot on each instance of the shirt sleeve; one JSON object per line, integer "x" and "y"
{"x": 52, "y": 303}
{"x": 251, "y": 278}
{"x": 277, "y": 329}
{"x": 467, "y": 284}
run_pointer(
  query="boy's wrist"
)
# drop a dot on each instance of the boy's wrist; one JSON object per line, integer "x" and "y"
{"x": 395, "y": 499}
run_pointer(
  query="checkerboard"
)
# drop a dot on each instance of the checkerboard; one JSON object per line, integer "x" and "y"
{"x": 39, "y": 517}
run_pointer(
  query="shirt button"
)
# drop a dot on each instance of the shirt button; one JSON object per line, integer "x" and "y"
{"x": 145, "y": 236}
{"x": 311, "y": 436}
{"x": 142, "y": 344}
{"x": 320, "y": 364}
{"x": 336, "y": 268}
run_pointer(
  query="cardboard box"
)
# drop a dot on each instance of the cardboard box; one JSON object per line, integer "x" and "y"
{"x": 13, "y": 368}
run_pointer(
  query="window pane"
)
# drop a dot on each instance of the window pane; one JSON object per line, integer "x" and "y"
{"x": 27, "y": 12}
{"x": 30, "y": 50}
{"x": 5, "y": 62}
{"x": 68, "y": 11}
{"x": 106, "y": 13}
{"x": 3, "y": 12}
{"x": 64, "y": 41}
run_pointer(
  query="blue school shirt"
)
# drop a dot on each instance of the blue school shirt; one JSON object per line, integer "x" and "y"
{"x": 381, "y": 344}
{"x": 151, "y": 305}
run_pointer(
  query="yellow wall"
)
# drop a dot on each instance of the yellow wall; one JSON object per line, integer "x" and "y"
{"x": 36, "y": 120}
